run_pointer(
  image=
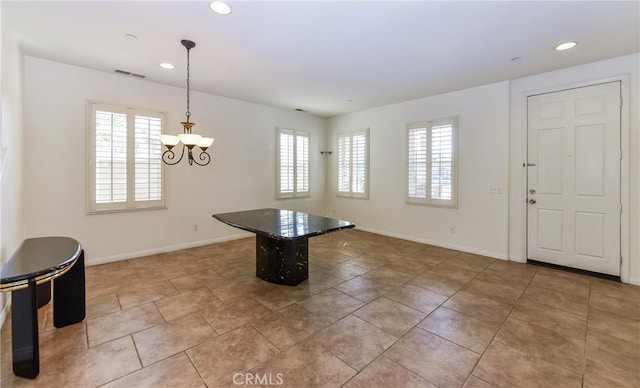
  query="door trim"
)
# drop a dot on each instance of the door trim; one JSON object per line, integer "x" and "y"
{"x": 624, "y": 165}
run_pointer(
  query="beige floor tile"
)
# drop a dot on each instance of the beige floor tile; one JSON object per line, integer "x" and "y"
{"x": 102, "y": 305}
{"x": 143, "y": 293}
{"x": 471, "y": 261}
{"x": 307, "y": 365}
{"x": 615, "y": 326}
{"x": 184, "y": 304}
{"x": 474, "y": 382}
{"x": 319, "y": 281}
{"x": 63, "y": 342}
{"x": 504, "y": 366}
{"x": 176, "y": 371}
{"x": 598, "y": 375}
{"x": 345, "y": 271}
{"x": 461, "y": 329}
{"x": 499, "y": 293}
{"x": 567, "y": 352}
{"x": 392, "y": 317}
{"x": 354, "y": 341}
{"x": 617, "y": 290}
{"x": 513, "y": 267}
{"x": 560, "y": 300}
{"x": 562, "y": 322}
{"x": 331, "y": 305}
{"x": 436, "y": 283}
{"x": 437, "y": 360}
{"x": 204, "y": 278}
{"x": 109, "y": 284}
{"x": 241, "y": 285}
{"x": 95, "y": 367}
{"x": 410, "y": 266}
{"x": 122, "y": 323}
{"x": 160, "y": 342}
{"x": 370, "y": 261}
{"x": 218, "y": 359}
{"x": 388, "y": 277}
{"x": 427, "y": 258}
{"x": 619, "y": 307}
{"x": 277, "y": 297}
{"x": 229, "y": 314}
{"x": 289, "y": 326}
{"x": 484, "y": 309}
{"x": 613, "y": 352}
{"x": 363, "y": 288}
{"x": 164, "y": 272}
{"x": 386, "y": 373}
{"x": 417, "y": 298}
{"x": 514, "y": 279}
{"x": 557, "y": 282}
{"x": 454, "y": 272}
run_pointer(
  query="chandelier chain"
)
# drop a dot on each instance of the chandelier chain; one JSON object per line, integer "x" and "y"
{"x": 188, "y": 112}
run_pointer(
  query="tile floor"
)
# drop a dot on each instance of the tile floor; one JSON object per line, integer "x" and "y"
{"x": 375, "y": 312}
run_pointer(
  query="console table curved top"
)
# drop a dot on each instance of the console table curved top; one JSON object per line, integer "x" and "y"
{"x": 41, "y": 258}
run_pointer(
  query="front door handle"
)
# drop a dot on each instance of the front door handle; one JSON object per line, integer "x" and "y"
{"x": 532, "y": 201}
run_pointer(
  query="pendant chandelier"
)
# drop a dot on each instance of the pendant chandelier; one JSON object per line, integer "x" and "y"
{"x": 188, "y": 139}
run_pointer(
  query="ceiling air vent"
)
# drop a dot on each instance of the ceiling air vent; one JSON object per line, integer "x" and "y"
{"x": 124, "y": 72}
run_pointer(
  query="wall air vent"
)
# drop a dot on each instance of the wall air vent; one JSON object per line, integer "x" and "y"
{"x": 124, "y": 72}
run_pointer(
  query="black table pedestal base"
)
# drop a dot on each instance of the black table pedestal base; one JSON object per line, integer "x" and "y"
{"x": 24, "y": 331}
{"x": 282, "y": 261}
{"x": 68, "y": 308}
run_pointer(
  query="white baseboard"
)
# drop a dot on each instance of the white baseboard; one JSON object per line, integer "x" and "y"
{"x": 495, "y": 255}
{"x": 168, "y": 248}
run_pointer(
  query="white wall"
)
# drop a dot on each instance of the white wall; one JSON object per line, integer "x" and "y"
{"x": 11, "y": 166}
{"x": 626, "y": 68}
{"x": 241, "y": 175}
{"x": 481, "y": 219}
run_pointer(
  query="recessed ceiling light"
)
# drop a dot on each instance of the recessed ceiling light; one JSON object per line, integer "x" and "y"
{"x": 566, "y": 46}
{"x": 167, "y": 65}
{"x": 219, "y": 7}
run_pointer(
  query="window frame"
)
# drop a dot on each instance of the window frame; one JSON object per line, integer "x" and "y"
{"x": 92, "y": 207}
{"x": 351, "y": 193}
{"x": 428, "y": 200}
{"x": 295, "y": 193}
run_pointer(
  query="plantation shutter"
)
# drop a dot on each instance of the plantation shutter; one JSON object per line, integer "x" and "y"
{"x": 110, "y": 157}
{"x": 344, "y": 164}
{"x": 148, "y": 163}
{"x": 359, "y": 161}
{"x": 417, "y": 161}
{"x": 125, "y": 159}
{"x": 431, "y": 162}
{"x": 442, "y": 162}
{"x": 292, "y": 163}
{"x": 302, "y": 164}
{"x": 286, "y": 162}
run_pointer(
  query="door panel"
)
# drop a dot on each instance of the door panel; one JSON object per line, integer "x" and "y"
{"x": 573, "y": 178}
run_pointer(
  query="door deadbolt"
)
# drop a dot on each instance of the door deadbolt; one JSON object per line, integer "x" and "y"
{"x": 532, "y": 191}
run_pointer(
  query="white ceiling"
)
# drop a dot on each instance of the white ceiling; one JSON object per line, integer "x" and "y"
{"x": 326, "y": 57}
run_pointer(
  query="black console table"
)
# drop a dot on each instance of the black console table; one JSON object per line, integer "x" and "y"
{"x": 28, "y": 275}
{"x": 282, "y": 240}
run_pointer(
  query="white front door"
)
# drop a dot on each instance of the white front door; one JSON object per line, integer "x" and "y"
{"x": 573, "y": 178}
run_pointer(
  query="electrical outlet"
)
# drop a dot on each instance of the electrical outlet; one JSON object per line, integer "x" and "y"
{"x": 452, "y": 229}
{"x": 495, "y": 190}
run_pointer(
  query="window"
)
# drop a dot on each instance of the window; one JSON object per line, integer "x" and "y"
{"x": 353, "y": 164}
{"x": 292, "y": 163}
{"x": 125, "y": 166}
{"x": 431, "y": 162}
